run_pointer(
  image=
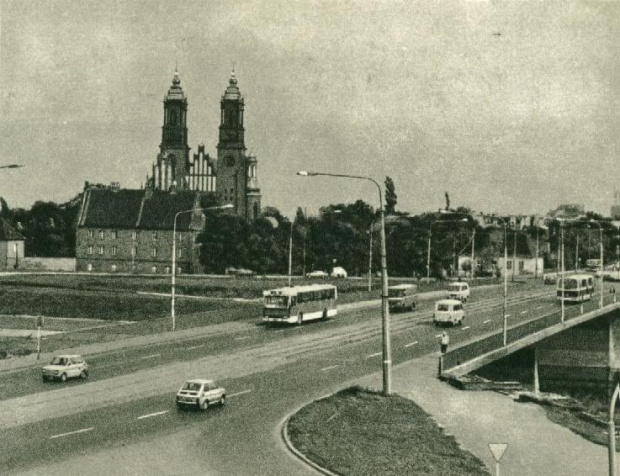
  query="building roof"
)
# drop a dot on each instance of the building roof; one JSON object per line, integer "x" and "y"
{"x": 232, "y": 91}
{"x": 175, "y": 93}
{"x": 8, "y": 233}
{"x": 140, "y": 209}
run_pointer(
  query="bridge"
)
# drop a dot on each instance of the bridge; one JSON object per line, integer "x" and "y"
{"x": 574, "y": 348}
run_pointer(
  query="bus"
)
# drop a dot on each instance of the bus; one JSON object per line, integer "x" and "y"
{"x": 593, "y": 264}
{"x": 576, "y": 288}
{"x": 297, "y": 304}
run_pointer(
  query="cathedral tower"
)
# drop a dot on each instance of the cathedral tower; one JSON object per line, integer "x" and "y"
{"x": 173, "y": 159}
{"x": 237, "y": 181}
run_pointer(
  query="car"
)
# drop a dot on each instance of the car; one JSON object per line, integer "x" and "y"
{"x": 200, "y": 394}
{"x": 65, "y": 366}
{"x": 317, "y": 274}
{"x": 339, "y": 272}
{"x": 458, "y": 290}
{"x": 402, "y": 297}
{"x": 449, "y": 311}
{"x": 239, "y": 272}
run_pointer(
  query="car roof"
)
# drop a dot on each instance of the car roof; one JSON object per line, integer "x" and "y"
{"x": 455, "y": 283}
{"x": 68, "y": 356}
{"x": 201, "y": 381}
{"x": 403, "y": 286}
{"x": 296, "y": 289}
{"x": 448, "y": 301}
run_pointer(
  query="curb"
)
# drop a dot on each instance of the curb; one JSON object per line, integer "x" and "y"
{"x": 295, "y": 451}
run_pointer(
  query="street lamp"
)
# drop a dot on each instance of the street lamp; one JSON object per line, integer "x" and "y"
{"x": 290, "y": 255}
{"x": 385, "y": 313}
{"x": 602, "y": 250}
{"x": 505, "y": 273}
{"x": 12, "y": 166}
{"x": 174, "y": 252}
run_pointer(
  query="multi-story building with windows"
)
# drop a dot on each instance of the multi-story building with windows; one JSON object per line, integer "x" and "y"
{"x": 132, "y": 231}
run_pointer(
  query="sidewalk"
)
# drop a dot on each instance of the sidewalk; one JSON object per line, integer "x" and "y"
{"x": 536, "y": 446}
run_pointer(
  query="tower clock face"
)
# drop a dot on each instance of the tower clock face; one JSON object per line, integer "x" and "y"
{"x": 229, "y": 161}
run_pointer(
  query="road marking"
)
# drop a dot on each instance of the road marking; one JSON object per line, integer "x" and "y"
{"x": 152, "y": 356}
{"x": 487, "y": 321}
{"x": 376, "y": 354}
{"x": 84, "y": 430}
{"x": 524, "y": 312}
{"x": 329, "y": 368}
{"x": 194, "y": 347}
{"x": 239, "y": 393}
{"x": 152, "y": 415}
{"x": 411, "y": 343}
{"x": 242, "y": 338}
{"x": 466, "y": 327}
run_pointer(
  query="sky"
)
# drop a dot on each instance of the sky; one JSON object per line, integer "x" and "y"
{"x": 510, "y": 107}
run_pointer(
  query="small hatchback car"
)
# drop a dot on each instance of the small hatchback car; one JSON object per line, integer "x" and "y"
{"x": 63, "y": 367}
{"x": 200, "y": 394}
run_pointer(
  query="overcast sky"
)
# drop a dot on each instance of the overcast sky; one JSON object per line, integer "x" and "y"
{"x": 511, "y": 107}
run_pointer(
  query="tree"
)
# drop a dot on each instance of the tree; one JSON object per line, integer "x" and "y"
{"x": 390, "y": 196}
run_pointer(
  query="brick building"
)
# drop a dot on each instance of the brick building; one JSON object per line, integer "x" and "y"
{"x": 131, "y": 231}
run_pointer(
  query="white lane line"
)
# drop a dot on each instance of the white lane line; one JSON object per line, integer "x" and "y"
{"x": 507, "y": 315}
{"x": 487, "y": 321}
{"x": 438, "y": 336}
{"x": 152, "y": 415}
{"x": 83, "y": 430}
{"x": 466, "y": 327}
{"x": 239, "y": 393}
{"x": 376, "y": 354}
{"x": 196, "y": 346}
{"x": 411, "y": 343}
{"x": 242, "y": 338}
{"x": 152, "y": 356}
{"x": 329, "y": 368}
{"x": 524, "y": 312}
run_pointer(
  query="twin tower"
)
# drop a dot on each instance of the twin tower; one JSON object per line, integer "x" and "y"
{"x": 232, "y": 175}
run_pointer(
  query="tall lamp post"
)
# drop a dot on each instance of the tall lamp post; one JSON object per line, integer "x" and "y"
{"x": 290, "y": 255}
{"x": 174, "y": 254}
{"x": 505, "y": 273}
{"x": 385, "y": 313}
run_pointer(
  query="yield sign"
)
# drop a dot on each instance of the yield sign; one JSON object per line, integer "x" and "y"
{"x": 498, "y": 450}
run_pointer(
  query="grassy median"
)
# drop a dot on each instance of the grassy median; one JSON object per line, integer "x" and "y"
{"x": 360, "y": 432}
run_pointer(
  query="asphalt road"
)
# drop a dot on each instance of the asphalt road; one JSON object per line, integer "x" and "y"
{"x": 123, "y": 421}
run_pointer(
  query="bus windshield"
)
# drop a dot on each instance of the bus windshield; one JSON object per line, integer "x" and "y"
{"x": 396, "y": 292}
{"x": 281, "y": 301}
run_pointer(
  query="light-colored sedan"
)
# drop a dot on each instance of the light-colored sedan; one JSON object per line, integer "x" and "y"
{"x": 63, "y": 367}
{"x": 317, "y": 274}
{"x": 200, "y": 393}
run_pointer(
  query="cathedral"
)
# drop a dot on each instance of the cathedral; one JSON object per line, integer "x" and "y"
{"x": 232, "y": 175}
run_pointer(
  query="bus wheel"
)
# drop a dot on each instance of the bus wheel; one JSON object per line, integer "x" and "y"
{"x": 300, "y": 318}
{"x": 324, "y": 314}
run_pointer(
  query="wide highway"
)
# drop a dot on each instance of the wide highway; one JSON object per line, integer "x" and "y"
{"x": 123, "y": 419}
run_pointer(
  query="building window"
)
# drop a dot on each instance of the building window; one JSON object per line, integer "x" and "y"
{"x": 508, "y": 264}
{"x": 89, "y": 267}
{"x": 133, "y": 251}
{"x": 115, "y": 234}
{"x": 90, "y": 250}
{"x": 154, "y": 269}
{"x": 134, "y": 234}
{"x": 154, "y": 252}
{"x": 91, "y": 233}
{"x": 101, "y": 234}
{"x": 180, "y": 253}
{"x": 114, "y": 250}
{"x": 521, "y": 265}
{"x": 113, "y": 267}
{"x": 167, "y": 269}
{"x": 154, "y": 235}
{"x": 101, "y": 250}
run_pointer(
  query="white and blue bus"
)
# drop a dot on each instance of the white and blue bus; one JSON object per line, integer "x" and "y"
{"x": 575, "y": 288}
{"x": 297, "y": 304}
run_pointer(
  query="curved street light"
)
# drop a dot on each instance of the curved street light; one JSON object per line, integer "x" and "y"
{"x": 12, "y": 166}
{"x": 385, "y": 314}
{"x": 174, "y": 253}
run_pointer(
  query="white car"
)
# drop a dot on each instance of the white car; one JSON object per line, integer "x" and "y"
{"x": 200, "y": 393}
{"x": 339, "y": 272}
{"x": 317, "y": 274}
{"x": 63, "y": 367}
{"x": 449, "y": 311}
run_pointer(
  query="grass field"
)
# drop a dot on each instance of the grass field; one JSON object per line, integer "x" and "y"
{"x": 361, "y": 433}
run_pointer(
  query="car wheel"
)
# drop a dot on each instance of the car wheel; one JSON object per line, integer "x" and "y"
{"x": 83, "y": 374}
{"x": 300, "y": 318}
{"x": 324, "y": 314}
{"x": 223, "y": 400}
{"x": 412, "y": 306}
{"x": 204, "y": 405}
{"x": 63, "y": 378}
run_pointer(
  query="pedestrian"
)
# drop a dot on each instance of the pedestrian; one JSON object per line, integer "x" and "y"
{"x": 445, "y": 341}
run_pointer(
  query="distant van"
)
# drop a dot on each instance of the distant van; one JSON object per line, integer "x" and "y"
{"x": 403, "y": 297}
{"x": 449, "y": 311}
{"x": 458, "y": 290}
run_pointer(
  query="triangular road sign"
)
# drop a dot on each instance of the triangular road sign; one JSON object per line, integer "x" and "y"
{"x": 498, "y": 450}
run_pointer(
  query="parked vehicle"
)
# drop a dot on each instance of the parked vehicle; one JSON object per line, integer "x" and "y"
{"x": 403, "y": 297}
{"x": 297, "y": 304}
{"x": 317, "y": 274}
{"x": 200, "y": 393}
{"x": 458, "y": 290}
{"x": 449, "y": 311}
{"x": 339, "y": 272}
{"x": 575, "y": 288}
{"x": 63, "y": 367}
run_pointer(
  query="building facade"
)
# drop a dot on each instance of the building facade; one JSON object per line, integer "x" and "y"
{"x": 131, "y": 231}
{"x": 232, "y": 174}
{"x": 11, "y": 246}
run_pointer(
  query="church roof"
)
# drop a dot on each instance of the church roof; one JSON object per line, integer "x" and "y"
{"x": 175, "y": 93}
{"x": 232, "y": 91}
{"x": 139, "y": 209}
{"x": 8, "y": 233}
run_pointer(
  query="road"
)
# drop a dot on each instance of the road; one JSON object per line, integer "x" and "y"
{"x": 123, "y": 421}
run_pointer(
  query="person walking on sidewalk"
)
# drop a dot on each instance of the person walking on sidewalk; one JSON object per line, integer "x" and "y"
{"x": 445, "y": 341}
